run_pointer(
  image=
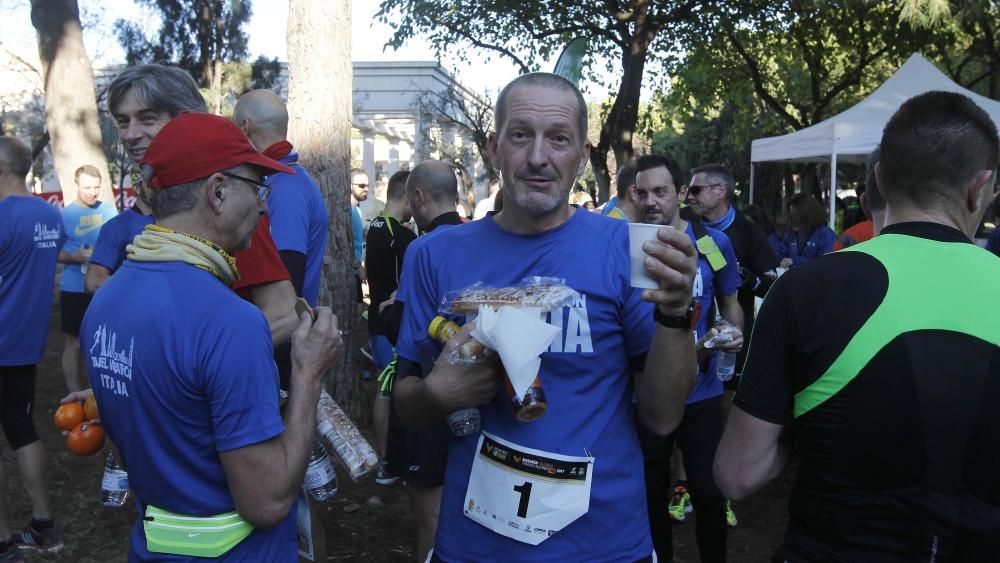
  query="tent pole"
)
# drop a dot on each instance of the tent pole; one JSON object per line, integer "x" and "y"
{"x": 751, "y": 183}
{"x": 833, "y": 191}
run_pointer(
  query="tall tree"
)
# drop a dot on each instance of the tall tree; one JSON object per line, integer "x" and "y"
{"x": 70, "y": 103}
{"x": 199, "y": 35}
{"x": 969, "y": 49}
{"x": 466, "y": 112}
{"x": 320, "y": 109}
{"x": 529, "y": 30}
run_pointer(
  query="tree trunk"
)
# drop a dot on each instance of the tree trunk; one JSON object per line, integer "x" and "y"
{"x": 70, "y": 103}
{"x": 319, "y": 106}
{"x": 619, "y": 125}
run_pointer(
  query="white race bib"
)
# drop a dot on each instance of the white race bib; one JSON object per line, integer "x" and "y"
{"x": 526, "y": 494}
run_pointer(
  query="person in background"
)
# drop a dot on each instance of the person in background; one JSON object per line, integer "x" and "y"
{"x": 582, "y": 199}
{"x": 623, "y": 205}
{"x": 759, "y": 217}
{"x": 878, "y": 367}
{"x": 31, "y": 233}
{"x": 82, "y": 220}
{"x": 807, "y": 236}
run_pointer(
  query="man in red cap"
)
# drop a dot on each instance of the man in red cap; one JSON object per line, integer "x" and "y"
{"x": 182, "y": 369}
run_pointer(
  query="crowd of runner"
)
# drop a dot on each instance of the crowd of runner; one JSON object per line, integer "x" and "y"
{"x": 873, "y": 359}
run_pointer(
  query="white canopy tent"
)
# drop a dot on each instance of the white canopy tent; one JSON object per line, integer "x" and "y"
{"x": 850, "y": 136}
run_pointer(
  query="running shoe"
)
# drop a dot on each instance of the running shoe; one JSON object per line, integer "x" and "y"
{"x": 730, "y": 515}
{"x": 10, "y": 554}
{"x": 385, "y": 478}
{"x": 680, "y": 504}
{"x": 47, "y": 541}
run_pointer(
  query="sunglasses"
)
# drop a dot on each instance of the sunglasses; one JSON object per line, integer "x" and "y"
{"x": 263, "y": 188}
{"x": 694, "y": 190}
{"x": 362, "y": 186}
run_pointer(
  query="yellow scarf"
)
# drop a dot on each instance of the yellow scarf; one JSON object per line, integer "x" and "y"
{"x": 159, "y": 244}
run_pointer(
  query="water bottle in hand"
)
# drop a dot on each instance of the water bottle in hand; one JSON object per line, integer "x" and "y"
{"x": 725, "y": 362}
{"x": 321, "y": 479}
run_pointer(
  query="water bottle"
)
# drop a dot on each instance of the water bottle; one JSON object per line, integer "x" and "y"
{"x": 466, "y": 421}
{"x": 321, "y": 479}
{"x": 114, "y": 484}
{"x": 87, "y": 253}
{"x": 725, "y": 362}
{"x": 725, "y": 365}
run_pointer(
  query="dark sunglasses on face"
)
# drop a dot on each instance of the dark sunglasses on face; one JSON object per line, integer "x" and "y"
{"x": 694, "y": 190}
{"x": 362, "y": 186}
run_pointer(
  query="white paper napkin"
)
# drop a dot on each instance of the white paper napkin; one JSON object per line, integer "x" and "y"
{"x": 520, "y": 337}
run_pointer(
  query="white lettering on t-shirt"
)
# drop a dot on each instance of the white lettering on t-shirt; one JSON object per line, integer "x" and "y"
{"x": 45, "y": 237}
{"x": 104, "y": 355}
{"x": 699, "y": 285}
{"x": 575, "y": 324}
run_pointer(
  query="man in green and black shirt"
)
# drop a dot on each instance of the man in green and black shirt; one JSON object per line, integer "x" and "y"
{"x": 884, "y": 361}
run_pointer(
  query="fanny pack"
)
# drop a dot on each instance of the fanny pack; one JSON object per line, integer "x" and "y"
{"x": 198, "y": 536}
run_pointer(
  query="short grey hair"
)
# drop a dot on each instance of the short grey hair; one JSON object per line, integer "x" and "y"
{"x": 542, "y": 79}
{"x": 160, "y": 87}
{"x": 718, "y": 173}
{"x": 172, "y": 200}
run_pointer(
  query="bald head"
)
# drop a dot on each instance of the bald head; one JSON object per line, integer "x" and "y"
{"x": 432, "y": 191}
{"x": 436, "y": 179}
{"x": 262, "y": 115}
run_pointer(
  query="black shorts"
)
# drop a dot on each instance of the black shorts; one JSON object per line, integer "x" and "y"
{"x": 72, "y": 306}
{"x": 418, "y": 456}
{"x": 17, "y": 405}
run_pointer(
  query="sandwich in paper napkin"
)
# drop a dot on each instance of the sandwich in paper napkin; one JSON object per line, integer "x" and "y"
{"x": 520, "y": 337}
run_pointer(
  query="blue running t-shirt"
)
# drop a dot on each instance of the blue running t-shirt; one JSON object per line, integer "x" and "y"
{"x": 82, "y": 225}
{"x": 708, "y": 285}
{"x": 31, "y": 234}
{"x": 183, "y": 370}
{"x": 299, "y": 221}
{"x": 585, "y": 374}
{"x": 116, "y": 235}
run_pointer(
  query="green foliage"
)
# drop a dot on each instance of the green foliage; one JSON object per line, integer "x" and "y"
{"x": 265, "y": 73}
{"x": 193, "y": 34}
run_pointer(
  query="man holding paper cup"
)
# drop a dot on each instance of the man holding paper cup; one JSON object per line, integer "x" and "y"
{"x": 566, "y": 486}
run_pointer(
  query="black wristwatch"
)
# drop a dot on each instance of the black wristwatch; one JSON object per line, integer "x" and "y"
{"x": 683, "y": 322}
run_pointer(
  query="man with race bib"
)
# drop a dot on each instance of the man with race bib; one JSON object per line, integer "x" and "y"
{"x": 567, "y": 486}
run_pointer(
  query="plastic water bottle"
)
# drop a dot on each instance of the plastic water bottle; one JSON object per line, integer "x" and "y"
{"x": 725, "y": 365}
{"x": 725, "y": 362}
{"x": 466, "y": 421}
{"x": 321, "y": 479}
{"x": 114, "y": 484}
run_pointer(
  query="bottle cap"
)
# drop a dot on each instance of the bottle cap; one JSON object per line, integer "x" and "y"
{"x": 435, "y": 326}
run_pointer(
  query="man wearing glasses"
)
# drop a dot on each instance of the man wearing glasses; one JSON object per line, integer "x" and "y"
{"x": 359, "y": 193}
{"x": 191, "y": 399}
{"x": 709, "y": 196}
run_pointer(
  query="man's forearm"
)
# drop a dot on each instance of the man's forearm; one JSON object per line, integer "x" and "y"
{"x": 663, "y": 386}
{"x": 96, "y": 276}
{"x": 264, "y": 478}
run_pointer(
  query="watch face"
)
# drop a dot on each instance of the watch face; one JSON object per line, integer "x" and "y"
{"x": 695, "y": 313}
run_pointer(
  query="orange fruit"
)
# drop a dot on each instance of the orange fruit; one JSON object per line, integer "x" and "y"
{"x": 68, "y": 415}
{"x": 87, "y": 438}
{"x": 90, "y": 407}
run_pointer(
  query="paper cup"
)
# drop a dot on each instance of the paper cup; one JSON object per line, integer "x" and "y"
{"x": 638, "y": 233}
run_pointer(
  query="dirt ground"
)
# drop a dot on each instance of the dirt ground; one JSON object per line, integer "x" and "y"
{"x": 364, "y": 522}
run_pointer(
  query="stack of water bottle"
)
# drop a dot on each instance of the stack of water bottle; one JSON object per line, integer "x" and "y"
{"x": 351, "y": 449}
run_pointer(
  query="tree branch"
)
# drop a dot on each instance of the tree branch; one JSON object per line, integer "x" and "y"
{"x": 758, "y": 81}
{"x": 524, "y": 68}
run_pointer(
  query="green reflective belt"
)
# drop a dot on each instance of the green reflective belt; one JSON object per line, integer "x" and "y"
{"x": 198, "y": 536}
{"x": 924, "y": 293}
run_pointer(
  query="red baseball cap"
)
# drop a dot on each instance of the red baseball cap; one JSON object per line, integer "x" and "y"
{"x": 194, "y": 145}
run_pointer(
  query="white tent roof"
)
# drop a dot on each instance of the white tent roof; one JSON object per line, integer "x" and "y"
{"x": 853, "y": 134}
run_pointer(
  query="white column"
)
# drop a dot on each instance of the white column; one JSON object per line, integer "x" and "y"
{"x": 368, "y": 154}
